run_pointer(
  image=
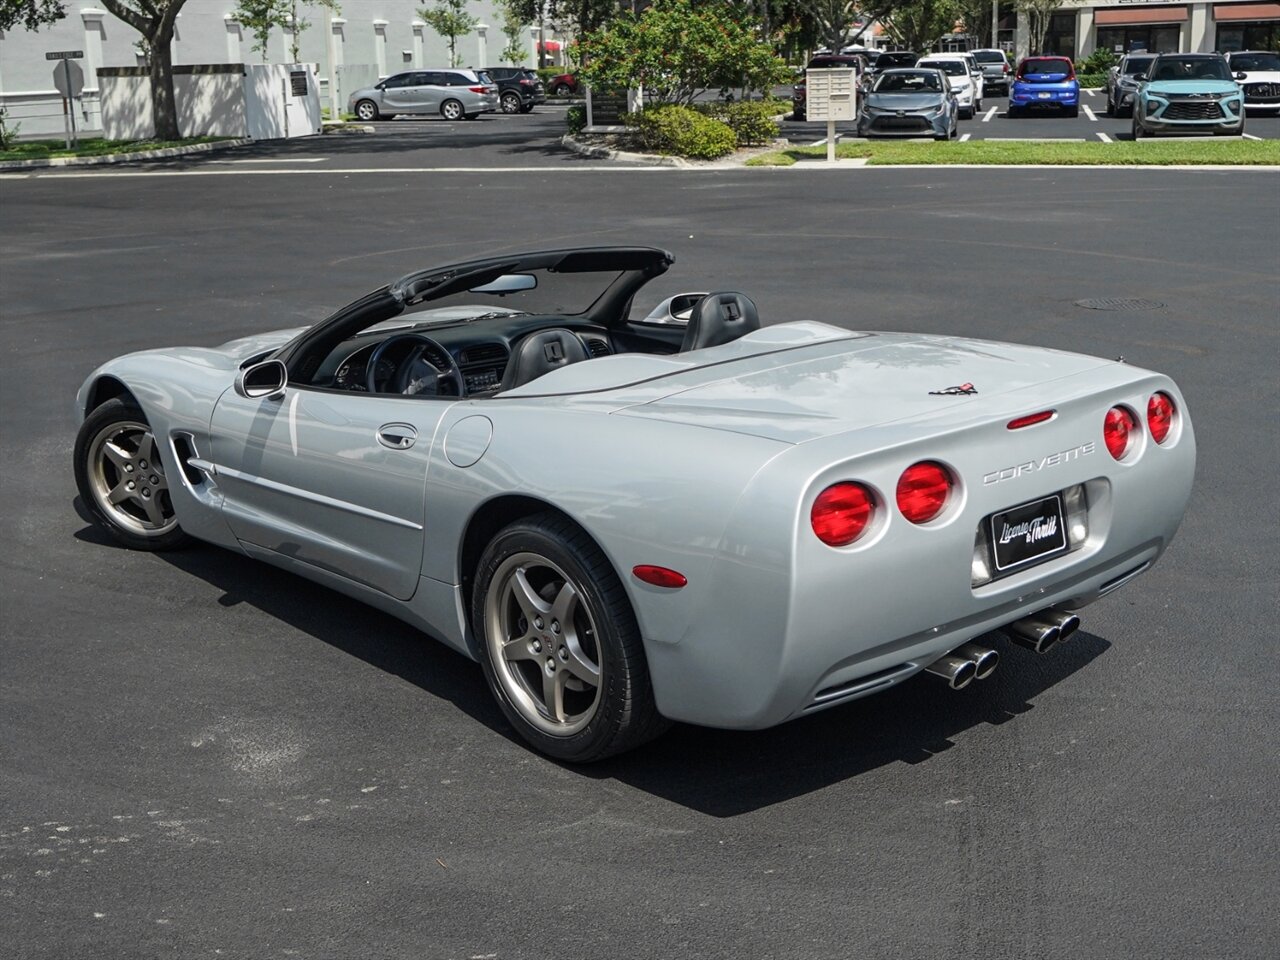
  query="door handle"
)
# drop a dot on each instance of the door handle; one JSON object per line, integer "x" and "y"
{"x": 397, "y": 436}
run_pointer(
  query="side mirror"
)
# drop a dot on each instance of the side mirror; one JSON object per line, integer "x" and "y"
{"x": 1142, "y": 78}
{"x": 1242, "y": 75}
{"x": 263, "y": 381}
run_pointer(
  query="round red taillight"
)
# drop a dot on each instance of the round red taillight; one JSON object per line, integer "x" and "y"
{"x": 923, "y": 491}
{"x": 842, "y": 513}
{"x": 1117, "y": 431}
{"x": 1160, "y": 411}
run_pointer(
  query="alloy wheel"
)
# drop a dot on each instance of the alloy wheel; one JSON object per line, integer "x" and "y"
{"x": 127, "y": 479}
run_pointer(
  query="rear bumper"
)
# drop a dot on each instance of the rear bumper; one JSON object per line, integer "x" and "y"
{"x": 790, "y": 628}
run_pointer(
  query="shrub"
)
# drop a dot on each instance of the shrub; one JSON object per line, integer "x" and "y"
{"x": 671, "y": 129}
{"x": 576, "y": 118}
{"x": 1092, "y": 79}
{"x": 546, "y": 73}
{"x": 750, "y": 120}
{"x": 1100, "y": 61}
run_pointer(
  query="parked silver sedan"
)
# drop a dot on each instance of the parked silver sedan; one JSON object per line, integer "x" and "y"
{"x": 909, "y": 103}
{"x": 455, "y": 94}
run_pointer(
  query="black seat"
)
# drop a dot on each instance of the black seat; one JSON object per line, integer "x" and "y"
{"x": 541, "y": 353}
{"x": 720, "y": 318}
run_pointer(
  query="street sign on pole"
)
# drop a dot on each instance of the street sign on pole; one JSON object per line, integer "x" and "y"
{"x": 65, "y": 55}
{"x": 68, "y": 77}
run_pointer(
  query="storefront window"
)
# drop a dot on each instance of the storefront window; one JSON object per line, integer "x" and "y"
{"x": 1248, "y": 36}
{"x": 1060, "y": 38}
{"x": 1143, "y": 39}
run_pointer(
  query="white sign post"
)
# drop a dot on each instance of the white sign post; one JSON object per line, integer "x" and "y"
{"x": 68, "y": 79}
{"x": 831, "y": 95}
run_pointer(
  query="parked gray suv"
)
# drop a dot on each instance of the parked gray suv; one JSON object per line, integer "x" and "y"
{"x": 452, "y": 93}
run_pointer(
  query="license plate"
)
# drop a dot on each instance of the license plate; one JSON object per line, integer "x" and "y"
{"x": 1028, "y": 534}
{"x": 1044, "y": 96}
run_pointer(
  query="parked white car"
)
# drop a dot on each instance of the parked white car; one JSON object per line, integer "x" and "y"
{"x": 962, "y": 83}
{"x": 975, "y": 71}
{"x": 1258, "y": 73}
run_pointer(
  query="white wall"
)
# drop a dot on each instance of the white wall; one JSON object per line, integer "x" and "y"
{"x": 204, "y": 37}
{"x": 209, "y": 105}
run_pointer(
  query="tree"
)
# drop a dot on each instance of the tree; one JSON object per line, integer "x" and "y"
{"x": 1038, "y": 13}
{"x": 450, "y": 19}
{"x": 917, "y": 24}
{"x": 834, "y": 20}
{"x": 30, "y": 14}
{"x": 155, "y": 20}
{"x": 976, "y": 15}
{"x": 513, "y": 28}
{"x": 259, "y": 17}
{"x": 677, "y": 51}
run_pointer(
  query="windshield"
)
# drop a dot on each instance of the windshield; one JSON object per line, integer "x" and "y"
{"x": 1136, "y": 65}
{"x": 952, "y": 68}
{"x": 915, "y": 81}
{"x": 989, "y": 56}
{"x": 1255, "y": 61}
{"x": 1190, "y": 68}
{"x": 1044, "y": 68}
{"x": 888, "y": 60}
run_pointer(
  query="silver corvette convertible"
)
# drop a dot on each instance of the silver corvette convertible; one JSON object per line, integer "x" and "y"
{"x": 630, "y": 523}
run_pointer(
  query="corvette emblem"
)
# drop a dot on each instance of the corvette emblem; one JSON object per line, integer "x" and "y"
{"x": 964, "y": 390}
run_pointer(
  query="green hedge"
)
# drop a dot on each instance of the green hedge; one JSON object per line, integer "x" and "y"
{"x": 671, "y": 129}
{"x": 751, "y": 121}
{"x": 576, "y": 118}
{"x": 1092, "y": 79}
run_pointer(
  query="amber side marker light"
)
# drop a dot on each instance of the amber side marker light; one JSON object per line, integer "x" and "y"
{"x": 660, "y": 576}
{"x": 1031, "y": 419}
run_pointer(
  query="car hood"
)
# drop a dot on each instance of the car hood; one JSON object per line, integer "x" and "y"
{"x": 903, "y": 101}
{"x": 1192, "y": 86}
{"x": 1261, "y": 76}
{"x": 807, "y": 393}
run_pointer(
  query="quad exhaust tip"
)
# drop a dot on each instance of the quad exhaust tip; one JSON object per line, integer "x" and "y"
{"x": 1044, "y": 630}
{"x": 985, "y": 660}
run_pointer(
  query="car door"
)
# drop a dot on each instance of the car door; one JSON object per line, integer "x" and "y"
{"x": 397, "y": 94}
{"x": 433, "y": 90}
{"x": 333, "y": 479}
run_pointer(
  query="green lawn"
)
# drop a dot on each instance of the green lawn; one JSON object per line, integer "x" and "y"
{"x": 91, "y": 147}
{"x": 1125, "y": 153}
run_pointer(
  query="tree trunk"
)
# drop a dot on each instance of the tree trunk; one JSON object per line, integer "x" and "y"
{"x": 164, "y": 107}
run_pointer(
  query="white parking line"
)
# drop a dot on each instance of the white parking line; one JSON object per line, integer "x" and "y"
{"x": 819, "y": 143}
{"x": 1092, "y": 93}
{"x": 1249, "y": 136}
{"x": 1104, "y": 138}
{"x": 990, "y": 113}
{"x": 276, "y": 160}
{"x": 965, "y": 137}
{"x": 1088, "y": 112}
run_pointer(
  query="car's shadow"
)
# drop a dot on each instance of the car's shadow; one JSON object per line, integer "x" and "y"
{"x": 717, "y": 772}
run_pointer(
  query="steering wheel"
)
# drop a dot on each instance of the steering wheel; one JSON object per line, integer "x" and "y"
{"x": 415, "y": 373}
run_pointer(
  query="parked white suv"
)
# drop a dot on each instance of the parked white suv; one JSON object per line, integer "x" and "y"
{"x": 962, "y": 82}
{"x": 1261, "y": 80}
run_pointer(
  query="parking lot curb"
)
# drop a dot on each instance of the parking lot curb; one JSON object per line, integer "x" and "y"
{"x": 607, "y": 153}
{"x": 124, "y": 157}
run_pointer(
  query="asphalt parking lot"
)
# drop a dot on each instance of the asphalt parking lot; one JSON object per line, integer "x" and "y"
{"x": 203, "y": 756}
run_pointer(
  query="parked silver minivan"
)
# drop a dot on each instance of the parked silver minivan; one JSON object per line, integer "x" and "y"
{"x": 453, "y": 93}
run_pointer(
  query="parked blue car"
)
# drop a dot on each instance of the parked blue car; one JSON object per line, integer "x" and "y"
{"x": 1045, "y": 82}
{"x": 1186, "y": 92}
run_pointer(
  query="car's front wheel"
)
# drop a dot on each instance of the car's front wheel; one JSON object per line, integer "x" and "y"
{"x": 367, "y": 111}
{"x": 559, "y": 641}
{"x": 121, "y": 478}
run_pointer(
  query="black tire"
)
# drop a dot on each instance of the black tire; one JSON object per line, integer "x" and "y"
{"x": 1136, "y": 130}
{"x": 367, "y": 111}
{"x": 1111, "y": 108}
{"x": 553, "y": 554}
{"x": 144, "y": 520}
{"x": 1013, "y": 112}
{"x": 452, "y": 110}
{"x": 561, "y": 90}
{"x": 471, "y": 116}
{"x": 1073, "y": 111}
{"x": 527, "y": 108}
{"x": 510, "y": 102}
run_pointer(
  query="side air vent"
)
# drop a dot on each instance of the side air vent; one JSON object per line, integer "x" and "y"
{"x": 597, "y": 347}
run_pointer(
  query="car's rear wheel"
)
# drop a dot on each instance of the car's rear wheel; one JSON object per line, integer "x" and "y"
{"x": 1138, "y": 132}
{"x": 367, "y": 110}
{"x": 1073, "y": 111}
{"x": 559, "y": 642}
{"x": 1013, "y": 112}
{"x": 452, "y": 110}
{"x": 121, "y": 478}
{"x": 511, "y": 103}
